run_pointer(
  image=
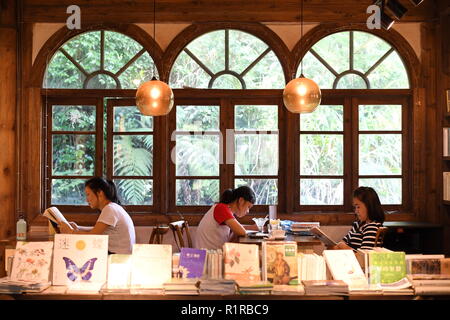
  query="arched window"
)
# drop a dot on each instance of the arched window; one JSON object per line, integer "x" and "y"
{"x": 354, "y": 60}
{"x": 227, "y": 59}
{"x": 99, "y": 60}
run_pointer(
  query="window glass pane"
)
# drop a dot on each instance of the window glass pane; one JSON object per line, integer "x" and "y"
{"x": 138, "y": 72}
{"x": 68, "y": 192}
{"x": 351, "y": 81}
{"x": 73, "y": 118}
{"x": 251, "y": 117}
{"x": 210, "y": 50}
{"x": 119, "y": 49}
{"x": 102, "y": 81}
{"x": 85, "y": 49}
{"x": 368, "y": 49}
{"x": 317, "y": 71}
{"x": 380, "y": 154}
{"x": 390, "y": 74}
{"x": 187, "y": 73}
{"x": 389, "y": 190}
{"x": 62, "y": 73}
{"x": 335, "y": 50}
{"x": 128, "y": 118}
{"x": 266, "y": 74}
{"x": 227, "y": 81}
{"x": 266, "y": 190}
{"x": 73, "y": 154}
{"x": 197, "y": 155}
{"x": 324, "y": 118}
{"x": 321, "y": 154}
{"x": 380, "y": 117}
{"x": 244, "y": 49}
{"x": 198, "y": 118}
{"x": 135, "y": 191}
{"x": 321, "y": 191}
{"x": 197, "y": 192}
{"x": 256, "y": 154}
{"x": 133, "y": 155}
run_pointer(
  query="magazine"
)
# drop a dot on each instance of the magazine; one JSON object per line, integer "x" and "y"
{"x": 322, "y": 236}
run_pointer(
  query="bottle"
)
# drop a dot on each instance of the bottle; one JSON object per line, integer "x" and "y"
{"x": 21, "y": 231}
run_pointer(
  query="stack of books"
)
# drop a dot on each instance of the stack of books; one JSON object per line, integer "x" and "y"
{"x": 325, "y": 287}
{"x": 213, "y": 268}
{"x": 181, "y": 287}
{"x": 8, "y": 286}
{"x": 290, "y": 290}
{"x": 217, "y": 287}
{"x": 254, "y": 287}
{"x": 303, "y": 228}
{"x": 311, "y": 267}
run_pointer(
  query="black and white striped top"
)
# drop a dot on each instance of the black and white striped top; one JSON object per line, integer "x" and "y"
{"x": 362, "y": 235}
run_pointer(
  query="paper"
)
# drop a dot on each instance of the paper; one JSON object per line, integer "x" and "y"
{"x": 32, "y": 261}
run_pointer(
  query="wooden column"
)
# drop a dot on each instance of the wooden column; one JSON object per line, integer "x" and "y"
{"x": 8, "y": 81}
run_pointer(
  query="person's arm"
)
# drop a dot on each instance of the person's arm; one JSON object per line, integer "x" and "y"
{"x": 236, "y": 227}
{"x": 99, "y": 228}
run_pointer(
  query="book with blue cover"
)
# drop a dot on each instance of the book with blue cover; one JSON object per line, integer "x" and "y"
{"x": 192, "y": 262}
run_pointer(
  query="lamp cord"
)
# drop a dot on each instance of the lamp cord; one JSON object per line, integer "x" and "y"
{"x": 154, "y": 36}
{"x": 301, "y": 39}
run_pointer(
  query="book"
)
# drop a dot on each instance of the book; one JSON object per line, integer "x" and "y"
{"x": 386, "y": 267}
{"x": 151, "y": 266}
{"x": 279, "y": 261}
{"x": 325, "y": 287}
{"x": 344, "y": 266}
{"x": 423, "y": 263}
{"x": 192, "y": 262}
{"x": 32, "y": 261}
{"x": 55, "y": 217}
{"x": 119, "y": 273}
{"x": 322, "y": 236}
{"x": 241, "y": 261}
{"x": 80, "y": 258}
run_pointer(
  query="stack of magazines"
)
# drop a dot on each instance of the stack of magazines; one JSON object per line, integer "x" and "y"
{"x": 218, "y": 287}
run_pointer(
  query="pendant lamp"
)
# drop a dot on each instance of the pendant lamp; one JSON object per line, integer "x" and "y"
{"x": 154, "y": 97}
{"x": 301, "y": 95}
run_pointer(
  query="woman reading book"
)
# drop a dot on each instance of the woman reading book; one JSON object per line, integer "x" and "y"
{"x": 370, "y": 216}
{"x": 113, "y": 221}
{"x": 219, "y": 224}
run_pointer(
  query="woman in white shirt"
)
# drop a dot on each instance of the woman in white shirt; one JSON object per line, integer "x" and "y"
{"x": 113, "y": 221}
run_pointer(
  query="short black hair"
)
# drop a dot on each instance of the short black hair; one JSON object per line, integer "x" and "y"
{"x": 369, "y": 197}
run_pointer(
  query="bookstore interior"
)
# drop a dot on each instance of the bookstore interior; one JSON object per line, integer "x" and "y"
{"x": 191, "y": 150}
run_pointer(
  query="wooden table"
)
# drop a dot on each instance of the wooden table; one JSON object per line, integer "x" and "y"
{"x": 302, "y": 241}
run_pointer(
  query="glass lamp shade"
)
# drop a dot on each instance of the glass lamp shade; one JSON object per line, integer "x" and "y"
{"x": 154, "y": 98}
{"x": 301, "y": 95}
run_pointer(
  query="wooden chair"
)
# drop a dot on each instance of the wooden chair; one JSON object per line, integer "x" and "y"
{"x": 179, "y": 228}
{"x": 158, "y": 233}
{"x": 379, "y": 238}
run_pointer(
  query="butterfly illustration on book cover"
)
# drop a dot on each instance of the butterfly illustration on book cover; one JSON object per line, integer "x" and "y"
{"x": 73, "y": 271}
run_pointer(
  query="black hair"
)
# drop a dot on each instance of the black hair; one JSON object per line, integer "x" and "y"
{"x": 369, "y": 197}
{"x": 108, "y": 187}
{"x": 245, "y": 192}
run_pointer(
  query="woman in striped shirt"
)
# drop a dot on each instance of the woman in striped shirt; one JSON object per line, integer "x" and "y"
{"x": 370, "y": 217}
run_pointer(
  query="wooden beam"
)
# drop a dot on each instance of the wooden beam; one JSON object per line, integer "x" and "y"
{"x": 189, "y": 11}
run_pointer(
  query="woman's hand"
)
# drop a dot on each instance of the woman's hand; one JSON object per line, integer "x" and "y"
{"x": 66, "y": 228}
{"x": 74, "y": 225}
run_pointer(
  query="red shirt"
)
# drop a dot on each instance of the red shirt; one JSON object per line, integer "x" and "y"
{"x": 222, "y": 213}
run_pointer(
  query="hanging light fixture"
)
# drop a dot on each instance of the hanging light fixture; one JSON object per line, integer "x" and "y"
{"x": 301, "y": 95}
{"x": 154, "y": 97}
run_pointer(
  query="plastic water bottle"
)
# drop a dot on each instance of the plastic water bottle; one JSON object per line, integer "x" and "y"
{"x": 21, "y": 231}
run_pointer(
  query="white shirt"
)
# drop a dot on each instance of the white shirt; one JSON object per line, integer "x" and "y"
{"x": 210, "y": 234}
{"x": 120, "y": 228}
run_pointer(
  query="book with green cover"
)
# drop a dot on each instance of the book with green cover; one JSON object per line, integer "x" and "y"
{"x": 386, "y": 267}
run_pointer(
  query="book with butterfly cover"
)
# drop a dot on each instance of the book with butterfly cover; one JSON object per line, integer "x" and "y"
{"x": 151, "y": 266}
{"x": 79, "y": 258}
{"x": 241, "y": 261}
{"x": 192, "y": 262}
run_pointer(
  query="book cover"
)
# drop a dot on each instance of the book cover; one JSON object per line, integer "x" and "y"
{"x": 32, "y": 261}
{"x": 280, "y": 263}
{"x": 386, "y": 267}
{"x": 344, "y": 266}
{"x": 79, "y": 258}
{"x": 119, "y": 272}
{"x": 192, "y": 262}
{"x": 151, "y": 265}
{"x": 241, "y": 261}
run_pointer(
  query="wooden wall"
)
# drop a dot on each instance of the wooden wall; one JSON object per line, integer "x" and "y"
{"x": 8, "y": 49}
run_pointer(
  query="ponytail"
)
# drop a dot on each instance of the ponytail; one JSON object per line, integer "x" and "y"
{"x": 108, "y": 187}
{"x": 245, "y": 192}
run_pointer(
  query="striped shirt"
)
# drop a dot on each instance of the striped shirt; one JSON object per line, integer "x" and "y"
{"x": 362, "y": 235}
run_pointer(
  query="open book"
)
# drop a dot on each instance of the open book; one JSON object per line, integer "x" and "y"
{"x": 55, "y": 217}
{"x": 322, "y": 236}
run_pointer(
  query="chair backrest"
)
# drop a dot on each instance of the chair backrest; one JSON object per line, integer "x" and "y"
{"x": 379, "y": 238}
{"x": 179, "y": 228}
{"x": 158, "y": 233}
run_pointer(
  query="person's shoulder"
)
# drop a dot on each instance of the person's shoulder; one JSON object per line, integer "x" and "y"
{"x": 113, "y": 207}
